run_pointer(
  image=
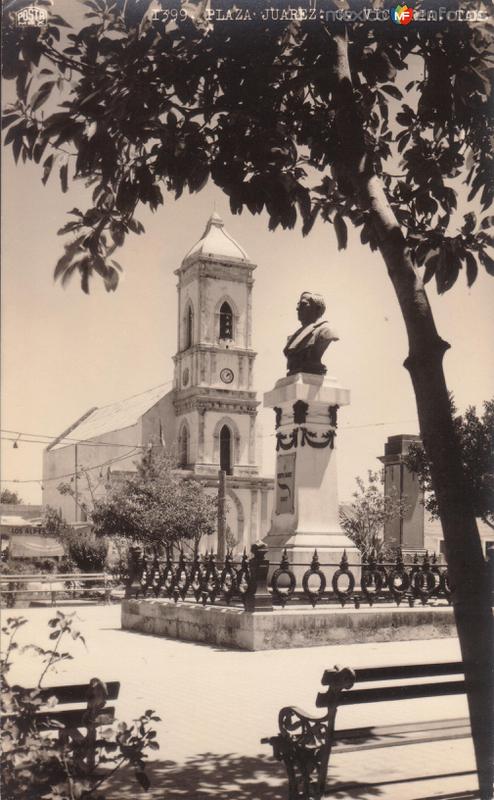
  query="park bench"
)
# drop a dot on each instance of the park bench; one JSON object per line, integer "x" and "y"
{"x": 33, "y": 585}
{"x": 78, "y": 707}
{"x": 305, "y": 743}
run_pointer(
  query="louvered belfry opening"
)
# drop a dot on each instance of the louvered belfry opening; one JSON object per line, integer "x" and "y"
{"x": 189, "y": 328}
{"x": 226, "y": 450}
{"x": 226, "y": 321}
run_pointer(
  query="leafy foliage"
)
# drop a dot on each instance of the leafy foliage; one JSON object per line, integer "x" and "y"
{"x": 44, "y": 765}
{"x": 475, "y": 435}
{"x": 155, "y": 507}
{"x": 369, "y": 512}
{"x": 136, "y": 108}
{"x": 83, "y": 550}
{"x": 8, "y": 497}
{"x": 52, "y": 521}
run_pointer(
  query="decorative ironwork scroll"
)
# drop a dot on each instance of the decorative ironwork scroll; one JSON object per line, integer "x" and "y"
{"x": 283, "y": 581}
{"x": 398, "y": 580}
{"x": 372, "y": 580}
{"x": 343, "y": 595}
{"x": 151, "y": 574}
{"x": 424, "y": 581}
{"x": 314, "y": 570}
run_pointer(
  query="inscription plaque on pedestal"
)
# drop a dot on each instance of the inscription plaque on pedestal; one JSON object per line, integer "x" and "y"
{"x": 285, "y": 483}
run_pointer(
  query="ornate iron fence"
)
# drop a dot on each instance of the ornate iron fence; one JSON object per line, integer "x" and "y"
{"x": 255, "y": 585}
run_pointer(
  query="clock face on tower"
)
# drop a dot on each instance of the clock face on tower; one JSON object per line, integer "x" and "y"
{"x": 226, "y": 375}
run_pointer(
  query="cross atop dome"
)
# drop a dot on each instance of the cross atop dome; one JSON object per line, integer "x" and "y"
{"x": 216, "y": 243}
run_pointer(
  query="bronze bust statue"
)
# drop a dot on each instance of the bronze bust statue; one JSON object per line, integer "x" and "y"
{"x": 307, "y": 345}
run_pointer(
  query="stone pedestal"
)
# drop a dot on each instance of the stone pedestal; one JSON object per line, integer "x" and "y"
{"x": 306, "y": 512}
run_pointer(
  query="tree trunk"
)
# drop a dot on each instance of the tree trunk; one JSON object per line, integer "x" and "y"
{"x": 467, "y": 568}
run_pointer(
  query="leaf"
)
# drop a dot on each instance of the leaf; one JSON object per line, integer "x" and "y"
{"x": 41, "y": 95}
{"x": 63, "y": 177}
{"x": 470, "y": 222}
{"x": 430, "y": 267}
{"x": 449, "y": 266}
{"x": 85, "y": 281}
{"x": 472, "y": 268}
{"x": 309, "y": 221}
{"x": 341, "y": 231}
{"x": 135, "y": 226}
{"x": 487, "y": 222}
{"x": 8, "y": 119}
{"x": 487, "y": 261}
{"x": 14, "y": 132}
{"x": 392, "y": 90}
{"x": 47, "y": 169}
{"x": 403, "y": 142}
{"x": 16, "y": 148}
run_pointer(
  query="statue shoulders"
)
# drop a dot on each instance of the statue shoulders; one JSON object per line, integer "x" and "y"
{"x": 324, "y": 330}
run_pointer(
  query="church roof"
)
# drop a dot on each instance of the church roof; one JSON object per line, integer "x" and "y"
{"x": 216, "y": 242}
{"x": 113, "y": 417}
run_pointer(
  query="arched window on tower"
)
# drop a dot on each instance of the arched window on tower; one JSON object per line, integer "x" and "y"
{"x": 183, "y": 447}
{"x": 226, "y": 321}
{"x": 189, "y": 327}
{"x": 226, "y": 450}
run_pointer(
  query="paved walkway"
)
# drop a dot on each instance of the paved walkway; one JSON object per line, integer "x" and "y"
{"x": 217, "y": 704}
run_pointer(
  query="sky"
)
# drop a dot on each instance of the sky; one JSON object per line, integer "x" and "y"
{"x": 64, "y": 352}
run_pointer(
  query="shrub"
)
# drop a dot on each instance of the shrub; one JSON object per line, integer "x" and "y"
{"x": 87, "y": 552}
{"x": 38, "y": 764}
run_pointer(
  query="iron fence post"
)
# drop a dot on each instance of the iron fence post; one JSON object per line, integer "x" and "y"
{"x": 258, "y": 597}
{"x": 134, "y": 570}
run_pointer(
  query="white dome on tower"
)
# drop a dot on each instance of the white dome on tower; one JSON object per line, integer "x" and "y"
{"x": 216, "y": 243}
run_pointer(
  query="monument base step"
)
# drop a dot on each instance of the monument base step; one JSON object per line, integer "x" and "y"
{"x": 300, "y": 626}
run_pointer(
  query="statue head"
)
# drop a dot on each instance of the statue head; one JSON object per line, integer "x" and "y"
{"x": 310, "y": 307}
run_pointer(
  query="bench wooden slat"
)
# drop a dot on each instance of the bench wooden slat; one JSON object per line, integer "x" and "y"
{"x": 76, "y": 693}
{"x": 353, "y": 739}
{"x": 403, "y": 671}
{"x": 73, "y": 718}
{"x": 387, "y": 693}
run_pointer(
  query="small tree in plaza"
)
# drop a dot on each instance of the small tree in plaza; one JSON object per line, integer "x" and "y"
{"x": 475, "y": 434}
{"x": 10, "y": 498}
{"x": 368, "y": 513}
{"x": 156, "y": 508}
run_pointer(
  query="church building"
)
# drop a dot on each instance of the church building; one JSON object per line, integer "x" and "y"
{"x": 207, "y": 421}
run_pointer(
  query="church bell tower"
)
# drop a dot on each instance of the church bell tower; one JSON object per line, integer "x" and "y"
{"x": 215, "y": 403}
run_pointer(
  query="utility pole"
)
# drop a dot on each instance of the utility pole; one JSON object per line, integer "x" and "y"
{"x": 221, "y": 515}
{"x": 76, "y": 496}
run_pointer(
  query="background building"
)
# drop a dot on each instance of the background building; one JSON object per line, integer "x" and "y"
{"x": 207, "y": 420}
{"x": 407, "y": 531}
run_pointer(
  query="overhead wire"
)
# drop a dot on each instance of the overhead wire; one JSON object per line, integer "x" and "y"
{"x": 71, "y": 440}
{"x": 81, "y": 469}
{"x": 136, "y": 447}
